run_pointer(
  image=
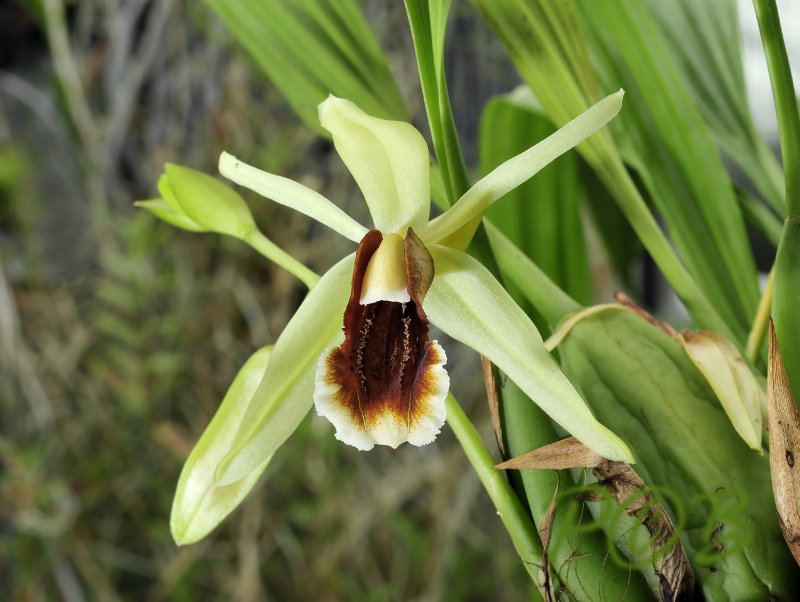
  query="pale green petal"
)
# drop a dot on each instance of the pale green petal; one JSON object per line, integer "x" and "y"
{"x": 286, "y": 393}
{"x": 467, "y": 303}
{"x": 388, "y": 159}
{"x": 199, "y": 504}
{"x": 291, "y": 194}
{"x": 208, "y": 202}
{"x": 521, "y": 168}
{"x": 164, "y": 211}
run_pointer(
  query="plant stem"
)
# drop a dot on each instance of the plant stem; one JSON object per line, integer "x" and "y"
{"x": 515, "y": 518}
{"x": 271, "y": 251}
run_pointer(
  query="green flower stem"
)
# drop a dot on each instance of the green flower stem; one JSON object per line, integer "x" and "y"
{"x": 514, "y": 516}
{"x": 428, "y": 23}
{"x": 268, "y": 249}
{"x": 756, "y": 337}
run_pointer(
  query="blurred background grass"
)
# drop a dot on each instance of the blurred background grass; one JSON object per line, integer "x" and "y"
{"x": 120, "y": 335}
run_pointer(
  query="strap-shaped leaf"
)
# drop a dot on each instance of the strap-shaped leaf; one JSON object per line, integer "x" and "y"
{"x": 669, "y": 144}
{"x": 704, "y": 42}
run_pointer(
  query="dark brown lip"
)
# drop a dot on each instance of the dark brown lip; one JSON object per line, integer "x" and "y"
{"x": 384, "y": 369}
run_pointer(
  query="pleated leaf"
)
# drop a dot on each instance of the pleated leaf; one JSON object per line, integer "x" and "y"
{"x": 643, "y": 385}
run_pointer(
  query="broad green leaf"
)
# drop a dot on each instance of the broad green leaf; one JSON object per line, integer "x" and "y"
{"x": 467, "y": 303}
{"x": 668, "y": 143}
{"x": 200, "y": 505}
{"x": 285, "y": 394}
{"x": 388, "y": 159}
{"x": 540, "y": 216}
{"x": 310, "y": 49}
{"x": 642, "y": 384}
{"x": 522, "y": 167}
{"x": 291, "y": 194}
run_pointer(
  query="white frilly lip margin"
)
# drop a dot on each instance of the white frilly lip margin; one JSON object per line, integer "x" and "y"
{"x": 388, "y": 430}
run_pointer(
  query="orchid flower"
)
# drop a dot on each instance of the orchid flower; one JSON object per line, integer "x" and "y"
{"x": 358, "y": 346}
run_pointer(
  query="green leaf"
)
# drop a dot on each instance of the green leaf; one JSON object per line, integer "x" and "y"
{"x": 544, "y": 39}
{"x": 200, "y": 505}
{"x": 643, "y": 385}
{"x": 581, "y": 560}
{"x": 311, "y": 48}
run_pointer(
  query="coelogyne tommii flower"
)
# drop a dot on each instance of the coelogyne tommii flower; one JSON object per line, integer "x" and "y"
{"x": 384, "y": 382}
